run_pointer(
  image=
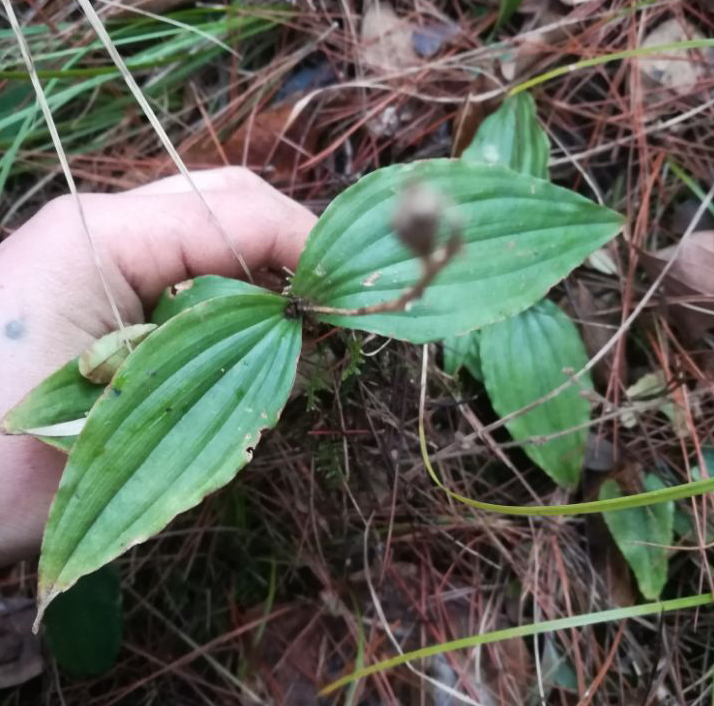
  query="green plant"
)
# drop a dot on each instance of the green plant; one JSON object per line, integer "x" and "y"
{"x": 525, "y": 358}
{"x": 477, "y": 243}
{"x": 86, "y": 98}
{"x": 84, "y": 625}
{"x": 643, "y": 535}
{"x": 506, "y": 9}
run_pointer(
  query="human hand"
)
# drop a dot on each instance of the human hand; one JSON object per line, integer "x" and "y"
{"x": 53, "y": 304}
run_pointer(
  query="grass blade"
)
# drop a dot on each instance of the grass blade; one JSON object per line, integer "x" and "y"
{"x": 576, "y": 621}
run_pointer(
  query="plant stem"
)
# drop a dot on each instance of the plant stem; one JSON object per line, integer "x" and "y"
{"x": 432, "y": 265}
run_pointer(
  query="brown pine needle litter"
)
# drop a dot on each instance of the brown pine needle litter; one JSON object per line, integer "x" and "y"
{"x": 333, "y": 548}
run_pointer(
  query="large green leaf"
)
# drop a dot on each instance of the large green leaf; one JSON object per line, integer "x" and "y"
{"x": 84, "y": 625}
{"x": 521, "y": 236}
{"x": 54, "y": 411}
{"x": 642, "y": 535}
{"x": 512, "y": 137}
{"x": 526, "y": 357}
{"x": 180, "y": 418}
{"x": 62, "y": 442}
{"x": 463, "y": 351}
{"x": 194, "y": 291}
{"x": 65, "y": 396}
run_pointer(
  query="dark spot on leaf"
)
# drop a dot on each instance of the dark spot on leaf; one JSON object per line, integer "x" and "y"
{"x": 15, "y": 330}
{"x": 168, "y": 410}
{"x": 116, "y": 391}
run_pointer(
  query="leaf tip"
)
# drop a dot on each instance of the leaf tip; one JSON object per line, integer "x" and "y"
{"x": 42, "y": 602}
{"x": 48, "y": 587}
{"x": 7, "y": 428}
{"x": 45, "y": 596}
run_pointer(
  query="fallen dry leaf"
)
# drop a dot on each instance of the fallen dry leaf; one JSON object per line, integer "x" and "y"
{"x": 529, "y": 52}
{"x": 596, "y": 330}
{"x": 387, "y": 43}
{"x": 390, "y": 43}
{"x": 675, "y": 72}
{"x": 602, "y": 261}
{"x": 470, "y": 116}
{"x": 606, "y": 559}
{"x": 427, "y": 40}
{"x": 20, "y": 656}
{"x": 599, "y": 454}
{"x": 692, "y": 276}
{"x": 685, "y": 212}
{"x": 267, "y": 143}
{"x": 652, "y": 388}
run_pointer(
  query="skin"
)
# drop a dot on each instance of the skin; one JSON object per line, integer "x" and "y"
{"x": 53, "y": 304}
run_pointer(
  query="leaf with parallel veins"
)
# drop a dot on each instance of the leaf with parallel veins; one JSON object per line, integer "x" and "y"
{"x": 180, "y": 418}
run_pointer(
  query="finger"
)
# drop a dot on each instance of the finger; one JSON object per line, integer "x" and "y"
{"x": 220, "y": 179}
{"x": 156, "y": 240}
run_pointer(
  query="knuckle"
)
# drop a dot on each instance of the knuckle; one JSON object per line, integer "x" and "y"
{"x": 235, "y": 176}
{"x": 58, "y": 207}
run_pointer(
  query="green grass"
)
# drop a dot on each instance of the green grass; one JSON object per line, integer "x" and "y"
{"x": 86, "y": 93}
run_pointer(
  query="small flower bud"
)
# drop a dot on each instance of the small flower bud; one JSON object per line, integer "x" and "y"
{"x": 417, "y": 219}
